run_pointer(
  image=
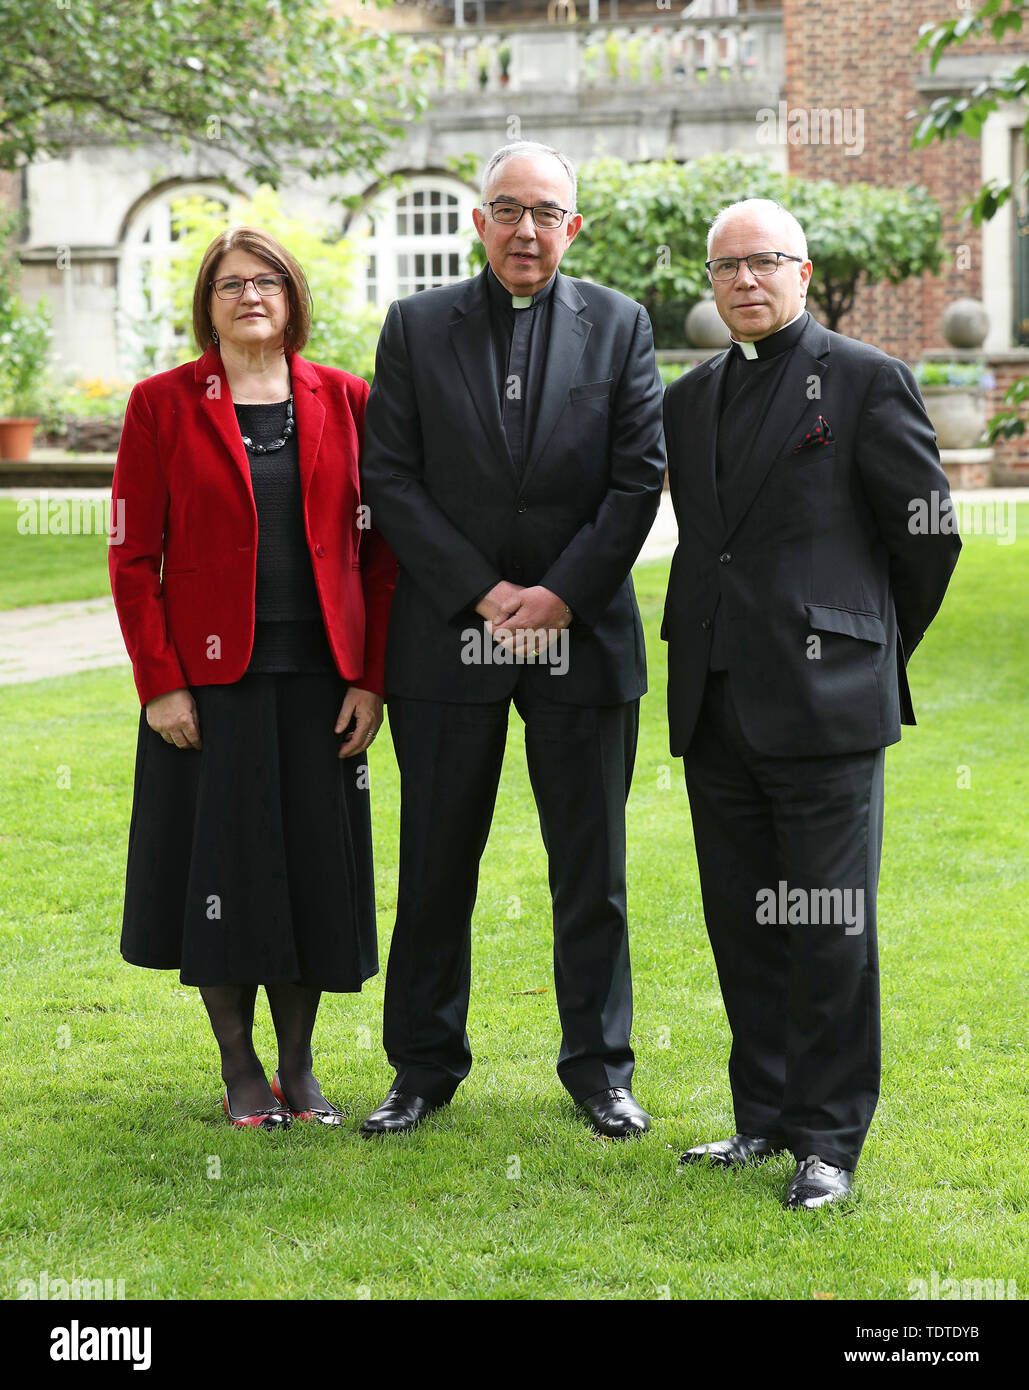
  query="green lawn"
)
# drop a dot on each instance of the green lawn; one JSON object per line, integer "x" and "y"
{"x": 42, "y": 566}
{"x": 118, "y": 1163}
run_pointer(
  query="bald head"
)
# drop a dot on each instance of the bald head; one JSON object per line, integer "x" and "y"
{"x": 754, "y": 305}
{"x": 768, "y": 214}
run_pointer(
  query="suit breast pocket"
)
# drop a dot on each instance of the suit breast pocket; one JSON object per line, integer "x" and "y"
{"x": 815, "y": 454}
{"x": 595, "y": 394}
{"x": 847, "y": 622}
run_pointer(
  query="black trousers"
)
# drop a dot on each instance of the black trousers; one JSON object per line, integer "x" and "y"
{"x": 580, "y": 764}
{"x": 789, "y": 852}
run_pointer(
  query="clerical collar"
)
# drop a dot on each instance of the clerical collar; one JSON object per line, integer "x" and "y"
{"x": 778, "y": 342}
{"x": 503, "y": 296}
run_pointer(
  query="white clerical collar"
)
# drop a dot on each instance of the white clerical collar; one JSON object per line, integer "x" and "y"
{"x": 522, "y": 301}
{"x": 749, "y": 350}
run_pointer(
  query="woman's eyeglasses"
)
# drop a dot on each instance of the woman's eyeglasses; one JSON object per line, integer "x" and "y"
{"x": 233, "y": 286}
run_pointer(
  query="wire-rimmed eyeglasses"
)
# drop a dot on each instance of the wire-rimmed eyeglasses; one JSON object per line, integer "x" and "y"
{"x": 547, "y": 217}
{"x": 760, "y": 263}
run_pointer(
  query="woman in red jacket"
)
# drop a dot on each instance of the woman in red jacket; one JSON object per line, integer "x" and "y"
{"x": 253, "y": 596}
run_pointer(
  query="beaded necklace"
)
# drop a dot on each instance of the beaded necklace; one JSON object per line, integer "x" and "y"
{"x": 288, "y": 430}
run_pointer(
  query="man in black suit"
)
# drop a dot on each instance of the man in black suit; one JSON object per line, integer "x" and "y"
{"x": 799, "y": 461}
{"x": 513, "y": 459}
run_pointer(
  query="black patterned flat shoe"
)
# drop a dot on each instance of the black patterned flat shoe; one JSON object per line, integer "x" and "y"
{"x": 327, "y": 1116}
{"x": 271, "y": 1121}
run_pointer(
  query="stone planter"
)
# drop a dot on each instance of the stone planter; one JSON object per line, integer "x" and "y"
{"x": 16, "y": 437}
{"x": 958, "y": 415}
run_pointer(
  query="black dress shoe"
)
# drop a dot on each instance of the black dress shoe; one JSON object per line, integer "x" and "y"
{"x": 615, "y": 1113}
{"x": 399, "y": 1113}
{"x": 731, "y": 1153}
{"x": 816, "y": 1184}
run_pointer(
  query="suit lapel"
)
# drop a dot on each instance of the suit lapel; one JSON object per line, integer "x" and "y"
{"x": 790, "y": 402}
{"x": 310, "y": 416}
{"x": 472, "y": 340}
{"x": 216, "y": 404}
{"x": 568, "y": 337}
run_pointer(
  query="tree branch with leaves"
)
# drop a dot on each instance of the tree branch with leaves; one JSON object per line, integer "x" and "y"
{"x": 965, "y": 113}
{"x": 278, "y": 88}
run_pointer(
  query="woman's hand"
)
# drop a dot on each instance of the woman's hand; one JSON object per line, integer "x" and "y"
{"x": 174, "y": 717}
{"x": 365, "y": 708}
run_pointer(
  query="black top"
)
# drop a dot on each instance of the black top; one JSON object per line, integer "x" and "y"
{"x": 750, "y": 384}
{"x": 745, "y": 369}
{"x": 502, "y": 317}
{"x": 289, "y": 633}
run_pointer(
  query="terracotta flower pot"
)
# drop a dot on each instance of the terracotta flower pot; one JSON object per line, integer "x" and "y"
{"x": 16, "y": 437}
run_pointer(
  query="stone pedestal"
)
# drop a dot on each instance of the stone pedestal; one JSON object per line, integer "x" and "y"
{"x": 968, "y": 468}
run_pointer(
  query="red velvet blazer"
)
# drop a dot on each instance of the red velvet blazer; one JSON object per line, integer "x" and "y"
{"x": 183, "y": 576}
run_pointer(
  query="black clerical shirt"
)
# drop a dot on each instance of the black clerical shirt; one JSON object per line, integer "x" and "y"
{"x": 502, "y": 320}
{"x": 752, "y": 377}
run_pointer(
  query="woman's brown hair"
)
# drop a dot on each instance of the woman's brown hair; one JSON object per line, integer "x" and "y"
{"x": 267, "y": 249}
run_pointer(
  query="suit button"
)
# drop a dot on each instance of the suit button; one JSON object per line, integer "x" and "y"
{"x": 725, "y": 558}
{"x": 523, "y": 506}
{"x": 705, "y": 623}
{"x": 319, "y": 550}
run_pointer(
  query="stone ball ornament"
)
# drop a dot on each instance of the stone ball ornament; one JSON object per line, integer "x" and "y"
{"x": 965, "y": 323}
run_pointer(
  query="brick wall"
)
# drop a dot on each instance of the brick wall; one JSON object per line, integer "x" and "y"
{"x": 1010, "y": 457}
{"x": 859, "y": 53}
{"x": 9, "y": 190}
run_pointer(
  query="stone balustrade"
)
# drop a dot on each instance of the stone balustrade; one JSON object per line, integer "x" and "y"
{"x": 666, "y": 53}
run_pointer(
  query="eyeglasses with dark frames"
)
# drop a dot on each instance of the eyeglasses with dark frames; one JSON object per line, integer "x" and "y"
{"x": 234, "y": 286}
{"x": 509, "y": 214}
{"x": 760, "y": 263}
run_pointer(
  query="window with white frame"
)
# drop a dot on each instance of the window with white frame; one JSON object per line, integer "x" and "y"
{"x": 415, "y": 237}
{"x": 148, "y": 336}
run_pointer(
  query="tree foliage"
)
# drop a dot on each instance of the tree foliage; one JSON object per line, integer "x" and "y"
{"x": 341, "y": 335}
{"x": 645, "y": 231}
{"x": 273, "y": 86}
{"x": 965, "y": 114}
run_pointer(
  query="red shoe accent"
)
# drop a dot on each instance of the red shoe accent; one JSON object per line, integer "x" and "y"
{"x": 267, "y": 1120}
{"x": 325, "y": 1117}
{"x": 277, "y": 1092}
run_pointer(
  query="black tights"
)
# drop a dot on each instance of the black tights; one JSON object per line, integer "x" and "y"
{"x": 293, "y": 1009}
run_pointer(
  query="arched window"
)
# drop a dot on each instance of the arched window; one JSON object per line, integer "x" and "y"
{"x": 418, "y": 237}
{"x": 148, "y": 336}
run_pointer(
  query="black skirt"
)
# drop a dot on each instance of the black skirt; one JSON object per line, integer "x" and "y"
{"x": 251, "y": 860}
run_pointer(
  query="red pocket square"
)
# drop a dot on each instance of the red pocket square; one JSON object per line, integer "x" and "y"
{"x": 817, "y": 435}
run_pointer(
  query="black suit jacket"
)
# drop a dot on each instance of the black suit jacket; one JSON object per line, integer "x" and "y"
{"x": 447, "y": 496}
{"x": 826, "y": 586}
